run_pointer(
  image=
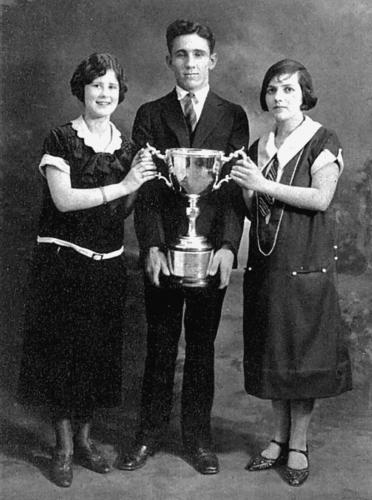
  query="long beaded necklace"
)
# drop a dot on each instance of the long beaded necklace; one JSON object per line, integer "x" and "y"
{"x": 266, "y": 254}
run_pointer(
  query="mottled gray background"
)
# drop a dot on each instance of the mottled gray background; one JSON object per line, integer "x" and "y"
{"x": 43, "y": 40}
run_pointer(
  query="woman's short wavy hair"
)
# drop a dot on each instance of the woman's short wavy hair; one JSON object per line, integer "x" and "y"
{"x": 289, "y": 67}
{"x": 91, "y": 68}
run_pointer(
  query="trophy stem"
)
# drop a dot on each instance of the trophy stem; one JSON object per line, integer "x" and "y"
{"x": 192, "y": 212}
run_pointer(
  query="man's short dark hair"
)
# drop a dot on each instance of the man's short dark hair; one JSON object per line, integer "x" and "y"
{"x": 289, "y": 67}
{"x": 184, "y": 27}
{"x": 91, "y": 68}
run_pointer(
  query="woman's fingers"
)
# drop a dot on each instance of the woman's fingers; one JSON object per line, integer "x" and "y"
{"x": 240, "y": 172}
{"x": 146, "y": 170}
{"x": 145, "y": 165}
{"x": 246, "y": 174}
{"x": 144, "y": 154}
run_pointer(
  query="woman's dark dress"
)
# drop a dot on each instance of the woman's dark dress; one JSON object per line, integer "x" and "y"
{"x": 74, "y": 318}
{"x": 293, "y": 335}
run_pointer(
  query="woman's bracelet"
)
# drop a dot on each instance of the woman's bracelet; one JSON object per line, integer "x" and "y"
{"x": 104, "y": 197}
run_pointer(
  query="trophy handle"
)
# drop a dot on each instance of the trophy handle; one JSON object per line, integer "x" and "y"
{"x": 238, "y": 152}
{"x": 224, "y": 159}
{"x": 154, "y": 151}
{"x": 218, "y": 184}
{"x": 163, "y": 178}
{"x": 159, "y": 155}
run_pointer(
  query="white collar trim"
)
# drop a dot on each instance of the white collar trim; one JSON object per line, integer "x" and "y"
{"x": 292, "y": 145}
{"x": 84, "y": 133}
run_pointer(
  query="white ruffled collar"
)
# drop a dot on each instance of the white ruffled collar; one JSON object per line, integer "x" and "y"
{"x": 292, "y": 145}
{"x": 84, "y": 133}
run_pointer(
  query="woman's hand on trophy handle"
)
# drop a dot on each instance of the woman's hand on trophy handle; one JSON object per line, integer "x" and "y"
{"x": 142, "y": 169}
{"x": 248, "y": 176}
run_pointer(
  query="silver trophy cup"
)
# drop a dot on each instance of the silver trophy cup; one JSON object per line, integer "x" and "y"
{"x": 193, "y": 173}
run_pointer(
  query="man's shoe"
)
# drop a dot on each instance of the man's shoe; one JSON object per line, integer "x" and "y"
{"x": 61, "y": 469}
{"x": 136, "y": 458}
{"x": 204, "y": 460}
{"x": 89, "y": 457}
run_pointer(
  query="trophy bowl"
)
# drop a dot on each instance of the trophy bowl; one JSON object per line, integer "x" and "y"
{"x": 193, "y": 173}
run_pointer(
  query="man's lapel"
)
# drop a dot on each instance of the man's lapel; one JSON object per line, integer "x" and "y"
{"x": 173, "y": 116}
{"x": 209, "y": 119}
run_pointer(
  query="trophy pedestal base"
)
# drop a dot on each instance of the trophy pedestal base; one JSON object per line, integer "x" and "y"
{"x": 189, "y": 267}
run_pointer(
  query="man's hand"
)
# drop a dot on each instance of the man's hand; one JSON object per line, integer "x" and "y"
{"x": 223, "y": 259}
{"x": 156, "y": 263}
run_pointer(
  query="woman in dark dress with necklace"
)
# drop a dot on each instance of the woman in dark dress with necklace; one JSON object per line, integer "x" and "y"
{"x": 74, "y": 319}
{"x": 293, "y": 346}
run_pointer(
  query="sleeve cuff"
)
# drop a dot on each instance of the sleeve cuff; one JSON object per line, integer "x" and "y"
{"x": 54, "y": 161}
{"x": 326, "y": 157}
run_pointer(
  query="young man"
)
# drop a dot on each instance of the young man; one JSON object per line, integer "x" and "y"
{"x": 160, "y": 217}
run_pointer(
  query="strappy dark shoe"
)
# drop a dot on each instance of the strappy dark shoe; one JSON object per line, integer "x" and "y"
{"x": 259, "y": 462}
{"x": 296, "y": 477}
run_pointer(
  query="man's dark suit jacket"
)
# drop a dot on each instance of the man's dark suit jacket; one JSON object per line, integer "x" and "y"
{"x": 160, "y": 214}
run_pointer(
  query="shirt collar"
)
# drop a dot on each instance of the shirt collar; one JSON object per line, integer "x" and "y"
{"x": 200, "y": 95}
{"x": 291, "y": 146}
{"x": 83, "y": 132}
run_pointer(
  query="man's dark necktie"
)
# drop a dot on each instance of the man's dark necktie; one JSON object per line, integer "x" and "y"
{"x": 189, "y": 112}
{"x": 265, "y": 201}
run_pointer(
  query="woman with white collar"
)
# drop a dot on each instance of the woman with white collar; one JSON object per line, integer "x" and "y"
{"x": 293, "y": 345}
{"x": 74, "y": 320}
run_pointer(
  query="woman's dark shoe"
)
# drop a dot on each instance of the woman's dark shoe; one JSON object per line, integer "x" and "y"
{"x": 260, "y": 462}
{"x": 296, "y": 477}
{"x": 61, "y": 468}
{"x": 89, "y": 457}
